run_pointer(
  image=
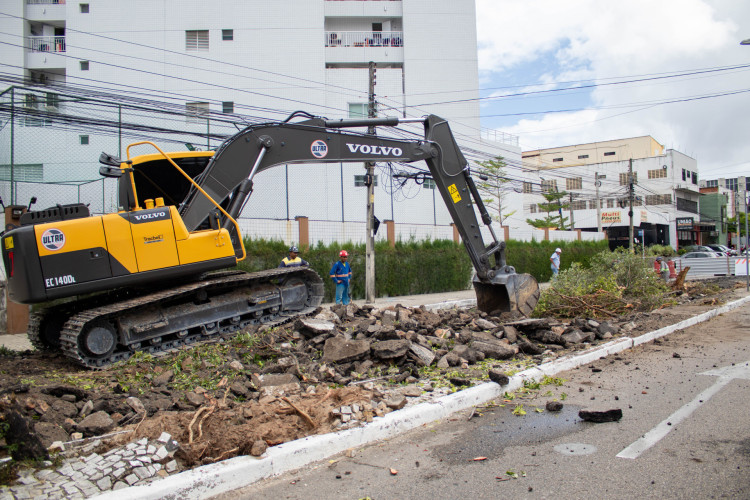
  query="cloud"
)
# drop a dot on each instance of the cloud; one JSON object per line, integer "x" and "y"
{"x": 587, "y": 39}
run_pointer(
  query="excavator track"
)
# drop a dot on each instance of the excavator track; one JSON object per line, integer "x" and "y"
{"x": 175, "y": 318}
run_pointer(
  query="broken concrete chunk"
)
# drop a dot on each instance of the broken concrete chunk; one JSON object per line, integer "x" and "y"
{"x": 498, "y": 376}
{"x": 554, "y": 406}
{"x": 390, "y": 349}
{"x": 494, "y": 350}
{"x": 340, "y": 350}
{"x": 423, "y": 355}
{"x": 312, "y": 327}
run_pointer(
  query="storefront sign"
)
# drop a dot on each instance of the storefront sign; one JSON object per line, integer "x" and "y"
{"x": 611, "y": 217}
{"x": 684, "y": 222}
{"x": 644, "y": 216}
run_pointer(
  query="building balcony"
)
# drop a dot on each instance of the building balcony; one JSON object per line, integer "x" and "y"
{"x": 45, "y": 10}
{"x": 45, "y": 52}
{"x": 359, "y": 8}
{"x": 354, "y": 47}
{"x": 46, "y": 43}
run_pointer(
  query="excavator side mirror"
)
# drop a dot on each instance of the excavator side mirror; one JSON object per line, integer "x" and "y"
{"x": 107, "y": 171}
{"x": 110, "y": 160}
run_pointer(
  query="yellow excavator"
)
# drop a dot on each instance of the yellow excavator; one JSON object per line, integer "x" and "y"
{"x": 148, "y": 278}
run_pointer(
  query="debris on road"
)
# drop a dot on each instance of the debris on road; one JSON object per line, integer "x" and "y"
{"x": 598, "y": 416}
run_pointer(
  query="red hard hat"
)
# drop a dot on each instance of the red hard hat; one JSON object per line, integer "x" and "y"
{"x": 343, "y": 253}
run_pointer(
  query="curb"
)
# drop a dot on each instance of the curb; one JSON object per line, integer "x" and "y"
{"x": 238, "y": 472}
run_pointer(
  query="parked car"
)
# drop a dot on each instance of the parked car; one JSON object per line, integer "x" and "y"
{"x": 700, "y": 255}
{"x": 701, "y": 248}
{"x": 723, "y": 249}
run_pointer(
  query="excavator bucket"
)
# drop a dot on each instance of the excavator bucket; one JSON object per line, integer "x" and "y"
{"x": 507, "y": 293}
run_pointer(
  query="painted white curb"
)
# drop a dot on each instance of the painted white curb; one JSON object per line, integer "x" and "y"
{"x": 239, "y": 472}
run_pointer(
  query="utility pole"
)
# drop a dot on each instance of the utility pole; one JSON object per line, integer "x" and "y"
{"x": 598, "y": 184}
{"x": 572, "y": 222}
{"x": 369, "y": 182}
{"x": 747, "y": 263}
{"x": 630, "y": 202}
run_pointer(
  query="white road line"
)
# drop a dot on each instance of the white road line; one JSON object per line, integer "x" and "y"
{"x": 725, "y": 374}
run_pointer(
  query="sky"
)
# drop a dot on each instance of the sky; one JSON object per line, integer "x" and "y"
{"x": 593, "y": 70}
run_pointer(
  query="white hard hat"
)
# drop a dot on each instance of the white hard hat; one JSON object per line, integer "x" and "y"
{"x": 558, "y": 250}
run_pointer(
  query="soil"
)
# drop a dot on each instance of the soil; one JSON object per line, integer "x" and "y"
{"x": 269, "y": 386}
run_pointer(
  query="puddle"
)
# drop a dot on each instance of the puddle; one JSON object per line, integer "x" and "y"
{"x": 491, "y": 433}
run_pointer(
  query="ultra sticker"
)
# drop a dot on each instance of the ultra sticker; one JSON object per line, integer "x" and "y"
{"x": 53, "y": 239}
{"x": 319, "y": 149}
{"x": 453, "y": 190}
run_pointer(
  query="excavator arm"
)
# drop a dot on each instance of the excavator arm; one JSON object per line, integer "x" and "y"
{"x": 229, "y": 177}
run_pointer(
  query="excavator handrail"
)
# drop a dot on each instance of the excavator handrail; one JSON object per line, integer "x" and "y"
{"x": 190, "y": 179}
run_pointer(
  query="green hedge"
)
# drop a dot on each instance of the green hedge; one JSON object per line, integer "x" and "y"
{"x": 416, "y": 267}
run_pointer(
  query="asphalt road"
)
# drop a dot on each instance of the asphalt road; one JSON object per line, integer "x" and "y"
{"x": 696, "y": 425}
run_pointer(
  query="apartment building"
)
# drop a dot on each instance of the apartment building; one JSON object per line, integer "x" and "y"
{"x": 596, "y": 178}
{"x": 249, "y": 60}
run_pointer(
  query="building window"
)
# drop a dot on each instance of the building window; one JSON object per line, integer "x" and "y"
{"x": 574, "y": 183}
{"x": 687, "y": 205}
{"x": 731, "y": 184}
{"x": 712, "y": 184}
{"x": 227, "y": 107}
{"x": 84, "y": 65}
{"x": 609, "y": 153}
{"x": 84, "y": 140}
{"x": 624, "y": 179}
{"x": 528, "y": 187}
{"x": 582, "y": 157}
{"x": 429, "y": 184}
{"x": 659, "y": 199}
{"x": 532, "y": 208}
{"x": 53, "y": 101}
{"x": 592, "y": 204}
{"x": 357, "y": 110}
{"x": 658, "y": 173}
{"x": 196, "y": 112}
{"x": 557, "y": 159}
{"x": 578, "y": 205}
{"x": 610, "y": 203}
{"x": 695, "y": 178}
{"x": 359, "y": 180}
{"x": 196, "y": 40}
{"x": 22, "y": 172}
{"x": 227, "y": 35}
{"x": 84, "y": 7}
{"x": 549, "y": 186}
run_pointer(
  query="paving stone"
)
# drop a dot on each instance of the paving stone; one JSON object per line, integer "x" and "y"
{"x": 131, "y": 479}
{"x": 171, "y": 466}
{"x": 119, "y": 485}
{"x": 104, "y": 483}
{"x": 141, "y": 472}
{"x": 161, "y": 453}
{"x": 164, "y": 438}
{"x": 134, "y": 463}
{"x": 141, "y": 450}
{"x": 142, "y": 442}
{"x": 145, "y": 460}
{"x": 118, "y": 472}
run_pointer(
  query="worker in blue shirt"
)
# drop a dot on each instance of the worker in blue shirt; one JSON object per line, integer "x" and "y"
{"x": 293, "y": 260}
{"x": 341, "y": 273}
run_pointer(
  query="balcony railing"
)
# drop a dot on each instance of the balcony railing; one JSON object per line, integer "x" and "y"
{"x": 364, "y": 39}
{"x": 47, "y": 43}
{"x": 44, "y": 2}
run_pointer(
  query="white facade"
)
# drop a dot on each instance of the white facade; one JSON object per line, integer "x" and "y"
{"x": 264, "y": 59}
{"x": 666, "y": 190}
